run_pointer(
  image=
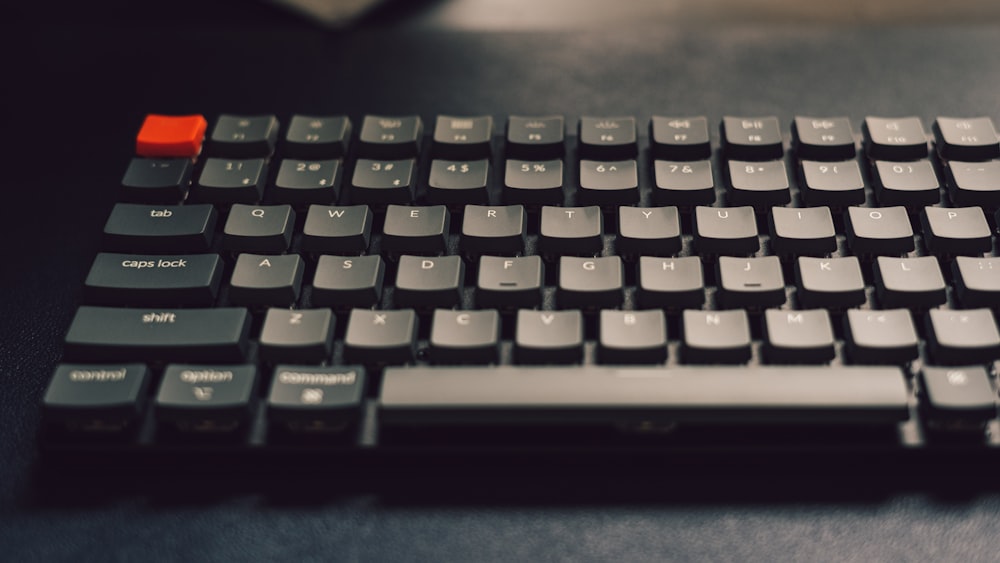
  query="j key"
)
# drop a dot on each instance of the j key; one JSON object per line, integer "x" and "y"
{"x": 880, "y": 337}
{"x": 509, "y": 283}
{"x": 830, "y": 283}
{"x": 266, "y": 280}
{"x": 798, "y": 337}
{"x": 168, "y": 228}
{"x": 906, "y": 183}
{"x": 730, "y": 231}
{"x": 750, "y": 282}
{"x": 914, "y": 283}
{"x": 680, "y": 138}
{"x": 608, "y": 183}
{"x": 670, "y": 283}
{"x": 575, "y": 231}
{"x": 225, "y": 181}
{"x": 139, "y": 279}
{"x": 463, "y": 138}
{"x": 348, "y": 282}
{"x": 961, "y": 338}
{"x": 533, "y": 183}
{"x": 379, "y": 182}
{"x": 548, "y": 337}
{"x": 977, "y": 281}
{"x": 304, "y": 336}
{"x": 239, "y": 136}
{"x": 302, "y": 181}
{"x": 415, "y": 230}
{"x": 632, "y": 337}
{"x": 386, "y": 137}
{"x": 454, "y": 182}
{"x": 837, "y": 184}
{"x": 264, "y": 228}
{"x": 683, "y": 183}
{"x": 590, "y": 283}
{"x": 956, "y": 231}
{"x": 752, "y": 138}
{"x": 197, "y": 398}
{"x": 464, "y": 337}
{"x": 95, "y": 397}
{"x": 156, "y": 180}
{"x": 425, "y": 283}
{"x": 315, "y": 399}
{"x": 201, "y": 335}
{"x": 823, "y": 138}
{"x": 171, "y": 136}
{"x": 337, "y": 230}
{"x": 535, "y": 137}
{"x": 715, "y": 337}
{"x": 974, "y": 183}
{"x": 380, "y": 337}
{"x": 762, "y": 184}
{"x": 317, "y": 137}
{"x": 608, "y": 138}
{"x": 493, "y": 229}
{"x": 957, "y": 398}
{"x": 802, "y": 231}
{"x": 884, "y": 231}
{"x": 968, "y": 139}
{"x": 895, "y": 139}
{"x": 648, "y": 231}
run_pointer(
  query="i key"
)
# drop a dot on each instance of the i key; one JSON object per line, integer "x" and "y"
{"x": 266, "y": 280}
{"x": 243, "y": 136}
{"x": 575, "y": 231}
{"x": 304, "y": 336}
{"x": 802, "y": 231}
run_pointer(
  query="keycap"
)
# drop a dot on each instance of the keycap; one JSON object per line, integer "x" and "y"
{"x": 390, "y": 137}
{"x": 258, "y": 228}
{"x": 224, "y": 181}
{"x": 895, "y": 139}
{"x": 167, "y": 228}
{"x": 961, "y": 338}
{"x": 493, "y": 229}
{"x": 548, "y": 337}
{"x": 464, "y": 337}
{"x": 201, "y": 398}
{"x": 415, "y": 230}
{"x": 749, "y": 283}
{"x": 591, "y": 395}
{"x": 884, "y": 231}
{"x": 830, "y": 283}
{"x": 956, "y": 398}
{"x": 121, "y": 334}
{"x": 170, "y": 136}
{"x": 266, "y": 280}
{"x": 535, "y": 137}
{"x": 380, "y": 337}
{"x": 347, "y": 282}
{"x": 880, "y": 337}
{"x": 956, "y": 231}
{"x": 906, "y": 183}
{"x": 304, "y": 182}
{"x": 590, "y": 283}
{"x": 337, "y": 230}
{"x": 632, "y": 337}
{"x": 977, "y": 281}
{"x": 301, "y": 336}
{"x": 317, "y": 137}
{"x": 314, "y": 398}
{"x": 974, "y": 183}
{"x": 156, "y": 180}
{"x": 715, "y": 337}
{"x": 608, "y": 183}
{"x": 607, "y": 138}
{"x": 533, "y": 183}
{"x": 648, "y": 231}
{"x": 802, "y": 231}
{"x": 670, "y": 283}
{"x": 243, "y": 136}
{"x": 95, "y": 397}
{"x": 153, "y": 280}
{"x": 510, "y": 283}
{"x": 463, "y": 138}
{"x": 679, "y": 138}
{"x": 752, "y": 138}
{"x": 683, "y": 183}
{"x": 823, "y": 138}
{"x": 837, "y": 184}
{"x": 575, "y": 231}
{"x": 456, "y": 182}
{"x": 730, "y": 231}
{"x": 380, "y": 182}
{"x": 429, "y": 282}
{"x": 968, "y": 139}
{"x": 761, "y": 184}
{"x": 914, "y": 283}
{"x": 798, "y": 337}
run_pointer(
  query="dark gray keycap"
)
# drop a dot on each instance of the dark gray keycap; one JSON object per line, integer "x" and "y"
{"x": 202, "y": 335}
{"x": 966, "y": 138}
{"x": 749, "y": 282}
{"x": 456, "y": 182}
{"x": 956, "y": 398}
{"x": 260, "y": 279}
{"x": 632, "y": 337}
{"x": 497, "y": 229}
{"x": 317, "y": 137}
{"x": 679, "y": 138}
{"x": 961, "y": 338}
{"x": 880, "y": 337}
{"x": 153, "y": 280}
{"x": 798, "y": 337}
{"x": 225, "y": 181}
{"x": 574, "y": 231}
{"x": 167, "y": 228}
{"x": 380, "y": 337}
{"x": 315, "y": 399}
{"x": 715, "y": 337}
{"x": 415, "y": 230}
{"x": 464, "y": 337}
{"x": 95, "y": 397}
{"x": 389, "y": 137}
{"x": 337, "y": 230}
{"x": 380, "y": 182}
{"x": 683, "y": 183}
{"x": 347, "y": 282}
{"x": 906, "y": 183}
{"x": 761, "y": 184}
{"x": 823, "y": 138}
{"x": 535, "y": 137}
{"x": 156, "y": 180}
{"x": 977, "y": 281}
{"x": 203, "y": 398}
{"x": 897, "y": 139}
{"x": 670, "y": 283}
{"x": 837, "y": 184}
{"x": 307, "y": 181}
{"x": 974, "y": 183}
{"x": 956, "y": 231}
{"x": 648, "y": 231}
{"x": 802, "y": 231}
{"x": 884, "y": 231}
{"x": 608, "y": 183}
{"x": 261, "y": 228}
{"x": 590, "y": 283}
{"x": 533, "y": 182}
{"x": 548, "y": 337}
{"x": 830, "y": 283}
{"x": 752, "y": 138}
{"x": 508, "y": 283}
{"x": 428, "y": 282}
{"x": 303, "y": 336}
{"x": 463, "y": 138}
{"x": 243, "y": 136}
{"x": 608, "y": 138}
{"x": 914, "y": 283}
{"x": 730, "y": 231}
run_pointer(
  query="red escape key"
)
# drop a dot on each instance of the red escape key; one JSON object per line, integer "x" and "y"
{"x": 171, "y": 136}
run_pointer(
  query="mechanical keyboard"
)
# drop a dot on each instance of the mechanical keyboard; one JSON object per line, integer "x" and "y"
{"x": 354, "y": 287}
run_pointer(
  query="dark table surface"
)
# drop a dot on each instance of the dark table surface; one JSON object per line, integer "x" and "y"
{"x": 78, "y": 80}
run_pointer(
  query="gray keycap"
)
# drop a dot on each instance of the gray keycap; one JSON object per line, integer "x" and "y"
{"x": 964, "y": 337}
{"x": 798, "y": 337}
{"x": 307, "y": 181}
{"x": 914, "y": 283}
{"x": 160, "y": 228}
{"x": 648, "y": 231}
{"x": 956, "y": 231}
{"x": 508, "y": 283}
{"x": 497, "y": 229}
{"x": 429, "y": 282}
{"x": 573, "y": 231}
{"x": 752, "y": 138}
{"x": 225, "y": 181}
{"x": 415, "y": 230}
{"x": 802, "y": 231}
{"x": 715, "y": 337}
{"x": 535, "y": 137}
{"x": 884, "y": 231}
{"x": 262, "y": 228}
{"x": 823, "y": 138}
{"x": 95, "y": 397}
{"x": 761, "y": 184}
{"x": 337, "y": 230}
{"x": 463, "y": 138}
{"x": 750, "y": 283}
{"x": 911, "y": 184}
{"x": 153, "y": 280}
{"x": 966, "y": 138}
{"x": 670, "y": 283}
{"x": 301, "y": 336}
{"x": 548, "y": 337}
{"x": 206, "y": 398}
{"x": 608, "y": 183}
{"x": 243, "y": 136}
{"x": 895, "y": 138}
{"x": 608, "y": 138}
{"x": 837, "y": 184}
{"x": 156, "y": 180}
{"x": 381, "y": 182}
{"x": 454, "y": 182}
{"x": 729, "y": 231}
{"x": 957, "y": 398}
{"x": 834, "y": 283}
{"x": 683, "y": 183}
{"x": 345, "y": 282}
{"x": 977, "y": 281}
{"x": 317, "y": 137}
{"x": 464, "y": 337}
{"x": 632, "y": 337}
{"x": 266, "y": 280}
{"x": 590, "y": 283}
{"x": 679, "y": 138}
{"x": 880, "y": 337}
{"x": 533, "y": 182}
{"x": 974, "y": 183}
{"x": 380, "y": 337}
{"x": 315, "y": 399}
{"x": 390, "y": 136}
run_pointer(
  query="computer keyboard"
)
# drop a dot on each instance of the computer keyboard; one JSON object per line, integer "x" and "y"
{"x": 367, "y": 286}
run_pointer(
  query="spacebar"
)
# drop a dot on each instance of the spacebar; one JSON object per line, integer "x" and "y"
{"x": 419, "y": 396}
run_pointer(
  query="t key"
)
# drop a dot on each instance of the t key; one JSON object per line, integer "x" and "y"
{"x": 573, "y": 231}
{"x": 806, "y": 230}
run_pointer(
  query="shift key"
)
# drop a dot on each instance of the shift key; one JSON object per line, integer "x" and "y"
{"x": 183, "y": 335}
{"x": 154, "y": 280}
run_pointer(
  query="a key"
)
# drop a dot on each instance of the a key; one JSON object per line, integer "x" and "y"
{"x": 680, "y": 138}
{"x": 829, "y": 283}
{"x": 154, "y": 280}
{"x": 632, "y": 337}
{"x": 493, "y": 230}
{"x": 798, "y": 337}
{"x": 914, "y": 283}
{"x": 906, "y": 183}
{"x": 802, "y": 231}
{"x": 749, "y": 283}
{"x": 670, "y": 283}
{"x": 305, "y": 181}
{"x": 608, "y": 183}
{"x": 548, "y": 337}
{"x": 837, "y": 184}
{"x": 533, "y": 182}
{"x": 895, "y": 139}
{"x": 380, "y": 337}
{"x": 535, "y": 137}
{"x": 317, "y": 137}
{"x": 301, "y": 336}
{"x": 348, "y": 282}
{"x": 464, "y": 337}
{"x": 381, "y": 182}
{"x": 715, "y": 337}
{"x": 156, "y": 180}
{"x": 823, "y": 138}
{"x": 206, "y": 398}
{"x": 968, "y": 139}
{"x": 752, "y": 138}
{"x": 389, "y": 137}
{"x": 243, "y": 136}
{"x": 961, "y": 338}
{"x": 590, "y": 283}
{"x": 337, "y": 230}
{"x": 761, "y": 184}
{"x": 574, "y": 231}
{"x": 880, "y": 337}
{"x": 956, "y": 231}
{"x": 956, "y": 398}
{"x": 225, "y": 181}
{"x": 977, "y": 281}
{"x": 458, "y": 182}
{"x": 883, "y": 231}
{"x": 429, "y": 282}
{"x": 510, "y": 283}
{"x": 96, "y": 398}
{"x": 261, "y": 228}
{"x": 415, "y": 230}
{"x": 608, "y": 138}
{"x": 169, "y": 228}
{"x": 683, "y": 183}
{"x": 266, "y": 280}
{"x": 315, "y": 399}
{"x": 974, "y": 183}
{"x": 166, "y": 136}
{"x": 463, "y": 138}
{"x": 648, "y": 231}
{"x": 730, "y": 231}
